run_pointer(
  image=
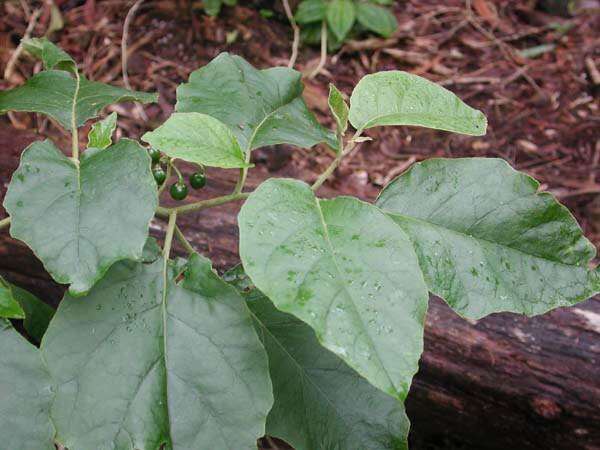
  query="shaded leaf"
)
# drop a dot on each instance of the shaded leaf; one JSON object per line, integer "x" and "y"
{"x": 37, "y": 313}
{"x": 100, "y": 135}
{"x": 261, "y": 107}
{"x": 376, "y": 18}
{"x": 345, "y": 269}
{"x": 310, "y": 11}
{"x": 93, "y": 214}
{"x": 487, "y": 240}
{"x": 25, "y": 394}
{"x": 400, "y": 98}
{"x": 199, "y": 378}
{"x": 341, "y": 15}
{"x": 338, "y": 108}
{"x": 52, "y": 56}
{"x": 52, "y": 92}
{"x": 320, "y": 402}
{"x": 197, "y": 138}
{"x": 9, "y": 306}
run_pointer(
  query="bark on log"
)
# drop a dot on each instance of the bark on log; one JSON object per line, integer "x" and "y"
{"x": 503, "y": 382}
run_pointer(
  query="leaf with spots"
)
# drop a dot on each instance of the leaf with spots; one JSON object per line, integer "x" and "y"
{"x": 345, "y": 269}
{"x": 487, "y": 240}
{"x": 81, "y": 218}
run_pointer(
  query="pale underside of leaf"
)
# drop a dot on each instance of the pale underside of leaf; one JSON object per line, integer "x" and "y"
{"x": 25, "y": 394}
{"x": 51, "y": 92}
{"x": 80, "y": 219}
{"x": 320, "y": 402}
{"x": 197, "y": 138}
{"x": 487, "y": 240}
{"x": 400, "y": 98}
{"x": 345, "y": 269}
{"x": 199, "y": 377}
{"x": 261, "y": 107}
{"x": 100, "y": 135}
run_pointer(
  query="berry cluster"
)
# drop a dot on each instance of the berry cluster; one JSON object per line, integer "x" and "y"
{"x": 179, "y": 189}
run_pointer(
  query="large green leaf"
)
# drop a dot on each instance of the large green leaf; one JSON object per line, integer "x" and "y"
{"x": 52, "y": 56}
{"x": 9, "y": 306}
{"x": 376, "y": 18}
{"x": 100, "y": 135}
{"x": 487, "y": 240}
{"x": 320, "y": 402}
{"x": 197, "y": 138}
{"x": 137, "y": 365}
{"x": 400, "y": 98}
{"x": 80, "y": 219}
{"x": 51, "y": 92}
{"x": 25, "y": 394}
{"x": 341, "y": 15}
{"x": 344, "y": 268}
{"x": 261, "y": 107}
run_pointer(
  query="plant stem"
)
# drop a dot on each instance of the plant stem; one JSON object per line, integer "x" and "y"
{"x": 296, "y": 42}
{"x": 336, "y": 162}
{"x": 4, "y": 222}
{"x": 183, "y": 241}
{"x": 204, "y": 204}
{"x": 174, "y": 167}
{"x": 323, "y": 58}
{"x": 169, "y": 236}
{"x": 164, "y": 185}
{"x": 244, "y": 171}
{"x": 74, "y": 130}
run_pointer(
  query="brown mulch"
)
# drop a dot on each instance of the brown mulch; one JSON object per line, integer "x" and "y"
{"x": 543, "y": 112}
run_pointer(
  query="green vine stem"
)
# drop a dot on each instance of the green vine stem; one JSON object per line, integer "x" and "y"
{"x": 4, "y": 223}
{"x": 168, "y": 175}
{"x": 169, "y": 237}
{"x": 336, "y": 162}
{"x": 183, "y": 241}
{"x": 204, "y": 204}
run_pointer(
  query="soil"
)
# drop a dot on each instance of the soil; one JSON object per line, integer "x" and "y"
{"x": 543, "y": 111}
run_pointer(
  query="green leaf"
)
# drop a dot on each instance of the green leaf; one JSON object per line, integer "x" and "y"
{"x": 37, "y": 313}
{"x": 212, "y": 7}
{"x": 79, "y": 220}
{"x": 25, "y": 394}
{"x": 261, "y": 107}
{"x": 51, "y": 93}
{"x": 487, "y": 240}
{"x": 338, "y": 108}
{"x": 100, "y": 136}
{"x": 341, "y": 15}
{"x": 310, "y": 11}
{"x": 52, "y": 56}
{"x": 137, "y": 365}
{"x": 320, "y": 402}
{"x": 197, "y": 138}
{"x": 9, "y": 306}
{"x": 376, "y": 18}
{"x": 345, "y": 269}
{"x": 400, "y": 98}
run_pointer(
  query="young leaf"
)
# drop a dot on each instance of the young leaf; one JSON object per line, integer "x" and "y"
{"x": 341, "y": 15}
{"x": 25, "y": 394}
{"x": 199, "y": 139}
{"x": 52, "y": 56}
{"x": 400, "y": 98}
{"x": 79, "y": 220}
{"x": 345, "y": 269}
{"x": 199, "y": 376}
{"x": 376, "y": 18}
{"x": 310, "y": 11}
{"x": 100, "y": 136}
{"x": 51, "y": 93}
{"x": 320, "y": 402}
{"x": 261, "y": 107}
{"x": 338, "y": 108}
{"x": 487, "y": 240}
{"x": 9, "y": 306}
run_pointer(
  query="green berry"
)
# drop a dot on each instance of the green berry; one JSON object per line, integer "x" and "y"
{"x": 178, "y": 191}
{"x": 159, "y": 175}
{"x": 154, "y": 154}
{"x": 198, "y": 180}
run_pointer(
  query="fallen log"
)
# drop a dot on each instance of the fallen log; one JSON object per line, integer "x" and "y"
{"x": 504, "y": 382}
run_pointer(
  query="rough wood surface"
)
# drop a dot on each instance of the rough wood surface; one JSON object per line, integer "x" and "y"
{"x": 503, "y": 382}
